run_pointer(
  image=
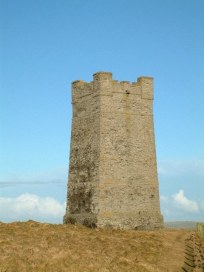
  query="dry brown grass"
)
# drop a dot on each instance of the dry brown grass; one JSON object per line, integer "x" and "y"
{"x": 31, "y": 246}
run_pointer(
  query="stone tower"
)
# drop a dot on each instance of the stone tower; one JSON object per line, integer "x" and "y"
{"x": 113, "y": 171}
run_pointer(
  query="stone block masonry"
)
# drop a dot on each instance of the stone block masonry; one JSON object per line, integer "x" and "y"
{"x": 112, "y": 170}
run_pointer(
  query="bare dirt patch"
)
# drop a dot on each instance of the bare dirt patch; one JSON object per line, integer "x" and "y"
{"x": 31, "y": 246}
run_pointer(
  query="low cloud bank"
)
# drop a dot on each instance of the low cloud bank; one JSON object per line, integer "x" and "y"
{"x": 29, "y": 206}
{"x": 47, "y": 209}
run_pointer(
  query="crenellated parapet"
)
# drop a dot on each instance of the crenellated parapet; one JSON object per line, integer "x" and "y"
{"x": 104, "y": 84}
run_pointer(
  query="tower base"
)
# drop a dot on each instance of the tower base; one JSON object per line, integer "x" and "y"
{"x": 115, "y": 221}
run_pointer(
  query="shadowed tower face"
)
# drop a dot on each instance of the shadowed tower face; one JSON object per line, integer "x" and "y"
{"x": 113, "y": 171}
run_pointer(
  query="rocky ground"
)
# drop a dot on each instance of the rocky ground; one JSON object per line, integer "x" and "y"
{"x": 31, "y": 246}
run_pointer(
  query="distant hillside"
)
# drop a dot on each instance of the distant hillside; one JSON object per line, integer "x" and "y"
{"x": 181, "y": 225}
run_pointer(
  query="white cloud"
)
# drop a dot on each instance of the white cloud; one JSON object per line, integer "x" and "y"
{"x": 179, "y": 207}
{"x": 29, "y": 206}
{"x": 183, "y": 203}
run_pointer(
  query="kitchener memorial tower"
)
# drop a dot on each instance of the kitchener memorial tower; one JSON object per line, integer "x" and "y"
{"x": 113, "y": 178}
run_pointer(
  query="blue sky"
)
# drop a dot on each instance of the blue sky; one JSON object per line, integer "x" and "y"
{"x": 45, "y": 45}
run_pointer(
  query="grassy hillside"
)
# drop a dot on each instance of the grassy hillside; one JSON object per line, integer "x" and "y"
{"x": 31, "y": 246}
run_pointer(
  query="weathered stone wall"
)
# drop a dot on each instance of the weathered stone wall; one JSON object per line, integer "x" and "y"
{"x": 113, "y": 172}
{"x": 84, "y": 154}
